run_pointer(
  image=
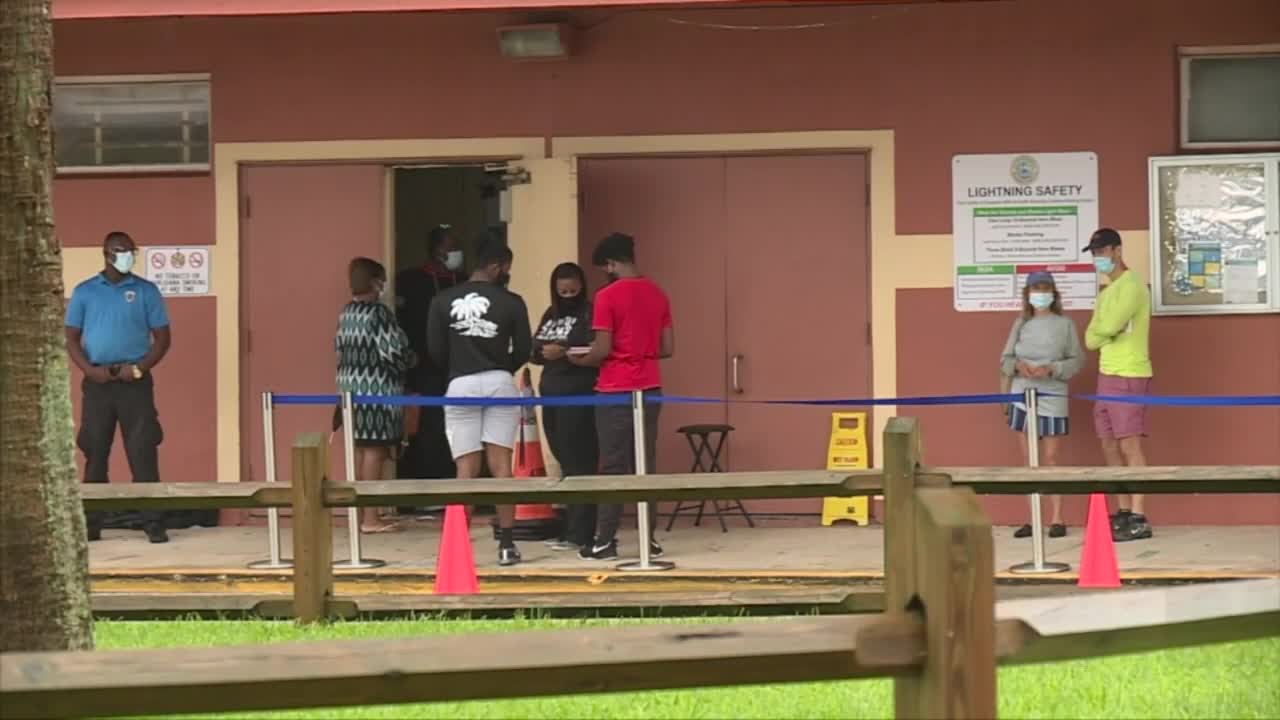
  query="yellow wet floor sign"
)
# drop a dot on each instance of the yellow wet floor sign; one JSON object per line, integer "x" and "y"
{"x": 847, "y": 451}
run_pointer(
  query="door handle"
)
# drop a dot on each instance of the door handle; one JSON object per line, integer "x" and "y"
{"x": 736, "y": 372}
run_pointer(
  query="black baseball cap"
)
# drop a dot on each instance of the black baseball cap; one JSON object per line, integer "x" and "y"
{"x": 1103, "y": 238}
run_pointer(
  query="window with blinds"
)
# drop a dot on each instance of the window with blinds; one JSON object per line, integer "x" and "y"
{"x": 1231, "y": 97}
{"x": 131, "y": 124}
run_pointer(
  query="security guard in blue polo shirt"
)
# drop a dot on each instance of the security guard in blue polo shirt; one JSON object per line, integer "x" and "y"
{"x": 117, "y": 331}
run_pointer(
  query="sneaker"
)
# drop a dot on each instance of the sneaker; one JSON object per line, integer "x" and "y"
{"x": 156, "y": 534}
{"x": 1057, "y": 530}
{"x": 508, "y": 556}
{"x": 608, "y": 551}
{"x": 1023, "y": 532}
{"x": 1135, "y": 527}
{"x": 655, "y": 550}
{"x": 562, "y": 545}
{"x": 1119, "y": 521}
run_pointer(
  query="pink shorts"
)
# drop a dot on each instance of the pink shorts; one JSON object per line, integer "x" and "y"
{"x": 1117, "y": 420}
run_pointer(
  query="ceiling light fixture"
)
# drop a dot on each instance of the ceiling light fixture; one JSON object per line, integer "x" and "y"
{"x": 547, "y": 41}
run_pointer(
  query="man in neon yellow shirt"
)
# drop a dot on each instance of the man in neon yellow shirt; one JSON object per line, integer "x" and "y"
{"x": 1120, "y": 330}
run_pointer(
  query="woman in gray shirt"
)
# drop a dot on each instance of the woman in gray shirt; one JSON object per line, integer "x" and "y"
{"x": 1042, "y": 352}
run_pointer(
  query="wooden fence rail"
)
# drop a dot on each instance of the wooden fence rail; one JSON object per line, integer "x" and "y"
{"x": 745, "y": 485}
{"x": 648, "y": 657}
{"x": 940, "y": 636}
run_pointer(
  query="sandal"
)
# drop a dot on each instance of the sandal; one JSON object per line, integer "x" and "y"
{"x": 389, "y": 527}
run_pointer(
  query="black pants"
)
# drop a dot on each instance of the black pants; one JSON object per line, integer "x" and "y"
{"x": 428, "y": 455}
{"x": 132, "y": 406}
{"x": 571, "y": 435}
{"x": 615, "y": 427}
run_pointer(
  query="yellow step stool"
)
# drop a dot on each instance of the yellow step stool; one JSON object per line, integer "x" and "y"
{"x": 847, "y": 450}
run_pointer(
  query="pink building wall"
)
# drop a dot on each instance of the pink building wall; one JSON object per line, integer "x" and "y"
{"x": 947, "y": 78}
{"x": 158, "y": 210}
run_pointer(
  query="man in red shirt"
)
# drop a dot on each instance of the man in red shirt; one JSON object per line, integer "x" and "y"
{"x": 633, "y": 331}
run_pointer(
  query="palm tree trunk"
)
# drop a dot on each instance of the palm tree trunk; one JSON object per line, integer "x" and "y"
{"x": 44, "y": 557}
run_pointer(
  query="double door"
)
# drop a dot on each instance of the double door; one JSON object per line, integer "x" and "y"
{"x": 765, "y": 259}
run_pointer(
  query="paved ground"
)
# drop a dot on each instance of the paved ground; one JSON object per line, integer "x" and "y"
{"x": 769, "y": 550}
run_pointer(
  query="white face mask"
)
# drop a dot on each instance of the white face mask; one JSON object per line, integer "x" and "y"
{"x": 453, "y": 260}
{"x": 1041, "y": 300}
{"x": 123, "y": 262}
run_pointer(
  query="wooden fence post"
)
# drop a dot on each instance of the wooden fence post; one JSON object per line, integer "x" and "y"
{"x": 901, "y": 445}
{"x": 312, "y": 530}
{"x": 939, "y": 566}
{"x": 955, "y": 581}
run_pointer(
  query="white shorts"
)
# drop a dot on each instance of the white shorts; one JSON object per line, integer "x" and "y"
{"x": 471, "y": 427}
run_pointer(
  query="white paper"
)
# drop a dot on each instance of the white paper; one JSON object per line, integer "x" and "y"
{"x": 1198, "y": 190}
{"x": 1240, "y": 282}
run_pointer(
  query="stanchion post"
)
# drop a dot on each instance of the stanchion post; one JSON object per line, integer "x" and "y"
{"x": 274, "y": 560}
{"x": 1037, "y": 566}
{"x": 356, "y": 562}
{"x": 646, "y": 564}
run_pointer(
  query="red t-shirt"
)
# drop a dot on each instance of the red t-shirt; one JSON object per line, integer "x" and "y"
{"x": 634, "y": 311}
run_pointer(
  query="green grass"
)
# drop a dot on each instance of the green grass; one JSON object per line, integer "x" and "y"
{"x": 1239, "y": 680}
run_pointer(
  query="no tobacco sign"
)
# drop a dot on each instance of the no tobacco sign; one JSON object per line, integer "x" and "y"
{"x": 179, "y": 270}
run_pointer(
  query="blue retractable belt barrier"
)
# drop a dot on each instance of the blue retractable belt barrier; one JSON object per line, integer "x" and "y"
{"x": 625, "y": 399}
{"x": 304, "y": 399}
{"x": 1188, "y": 400}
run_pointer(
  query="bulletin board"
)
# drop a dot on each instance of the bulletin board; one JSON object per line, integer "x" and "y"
{"x": 1215, "y": 234}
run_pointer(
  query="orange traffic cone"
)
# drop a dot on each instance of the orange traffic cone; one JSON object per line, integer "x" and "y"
{"x": 539, "y": 519}
{"x": 455, "y": 563}
{"x": 1098, "y": 557}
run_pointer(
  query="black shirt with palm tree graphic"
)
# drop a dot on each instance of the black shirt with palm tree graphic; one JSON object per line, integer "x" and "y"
{"x": 476, "y": 327}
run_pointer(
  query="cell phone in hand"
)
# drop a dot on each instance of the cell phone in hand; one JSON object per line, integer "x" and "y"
{"x": 579, "y": 350}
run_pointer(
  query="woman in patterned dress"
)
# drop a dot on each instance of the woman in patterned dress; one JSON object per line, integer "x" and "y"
{"x": 373, "y": 357}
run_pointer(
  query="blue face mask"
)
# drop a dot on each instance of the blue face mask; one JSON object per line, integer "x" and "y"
{"x": 1041, "y": 300}
{"x": 123, "y": 262}
{"x": 1104, "y": 265}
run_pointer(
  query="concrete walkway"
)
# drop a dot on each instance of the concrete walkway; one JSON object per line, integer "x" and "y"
{"x": 771, "y": 550}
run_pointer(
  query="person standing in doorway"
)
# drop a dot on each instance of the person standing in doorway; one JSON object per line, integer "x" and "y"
{"x": 571, "y": 430}
{"x": 373, "y": 357}
{"x": 427, "y": 455}
{"x": 1120, "y": 331}
{"x": 117, "y": 331}
{"x": 1042, "y": 353}
{"x": 633, "y": 331}
{"x": 479, "y": 331}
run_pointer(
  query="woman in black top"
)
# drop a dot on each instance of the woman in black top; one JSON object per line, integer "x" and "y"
{"x": 571, "y": 431}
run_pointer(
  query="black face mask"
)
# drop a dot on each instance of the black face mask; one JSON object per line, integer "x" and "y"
{"x": 569, "y": 305}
